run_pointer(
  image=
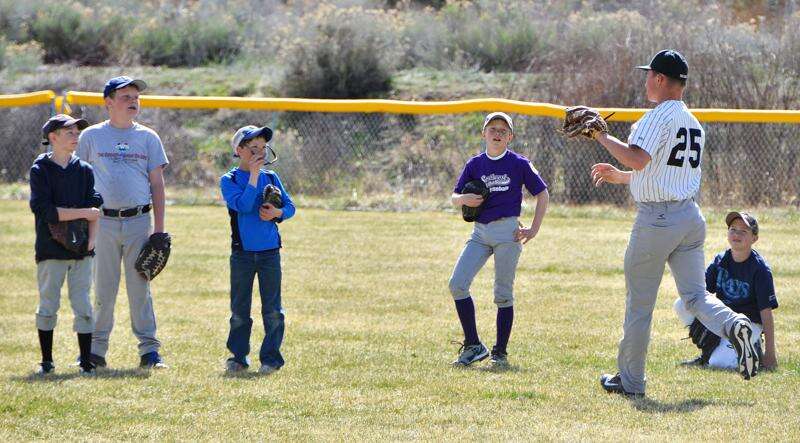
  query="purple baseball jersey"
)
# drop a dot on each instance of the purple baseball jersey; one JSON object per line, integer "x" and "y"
{"x": 504, "y": 176}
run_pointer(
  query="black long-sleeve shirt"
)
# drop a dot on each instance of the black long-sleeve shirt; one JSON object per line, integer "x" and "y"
{"x": 55, "y": 187}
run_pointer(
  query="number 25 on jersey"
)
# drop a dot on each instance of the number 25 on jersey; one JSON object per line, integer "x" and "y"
{"x": 687, "y": 139}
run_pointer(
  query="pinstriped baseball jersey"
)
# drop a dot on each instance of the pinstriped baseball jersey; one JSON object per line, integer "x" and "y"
{"x": 674, "y": 139}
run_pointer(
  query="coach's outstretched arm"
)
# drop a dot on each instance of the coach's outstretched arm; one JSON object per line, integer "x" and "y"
{"x": 631, "y": 156}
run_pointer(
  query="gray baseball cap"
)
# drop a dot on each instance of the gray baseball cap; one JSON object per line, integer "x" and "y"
{"x": 746, "y": 217}
{"x": 498, "y": 116}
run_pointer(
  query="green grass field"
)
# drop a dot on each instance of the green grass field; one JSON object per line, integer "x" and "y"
{"x": 369, "y": 325}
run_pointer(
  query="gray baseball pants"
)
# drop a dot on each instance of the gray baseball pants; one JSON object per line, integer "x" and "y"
{"x": 50, "y": 276}
{"x": 121, "y": 239}
{"x": 495, "y": 238}
{"x": 674, "y": 233}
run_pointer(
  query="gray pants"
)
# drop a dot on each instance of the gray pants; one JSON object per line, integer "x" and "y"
{"x": 674, "y": 233}
{"x": 495, "y": 238}
{"x": 50, "y": 275}
{"x": 122, "y": 240}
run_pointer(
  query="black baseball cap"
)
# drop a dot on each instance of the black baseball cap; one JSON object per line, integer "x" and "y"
{"x": 746, "y": 217}
{"x": 670, "y": 63}
{"x": 121, "y": 82}
{"x": 59, "y": 121}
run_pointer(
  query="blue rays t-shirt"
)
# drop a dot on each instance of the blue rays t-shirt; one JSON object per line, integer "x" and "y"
{"x": 745, "y": 287}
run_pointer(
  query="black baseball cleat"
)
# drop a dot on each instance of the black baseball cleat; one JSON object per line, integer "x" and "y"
{"x": 613, "y": 385}
{"x": 741, "y": 338}
{"x": 94, "y": 359}
{"x": 87, "y": 368}
{"x": 699, "y": 362}
{"x": 45, "y": 367}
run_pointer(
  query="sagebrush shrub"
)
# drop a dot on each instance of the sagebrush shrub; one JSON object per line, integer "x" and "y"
{"x": 187, "y": 42}
{"x": 340, "y": 62}
{"x": 71, "y": 33}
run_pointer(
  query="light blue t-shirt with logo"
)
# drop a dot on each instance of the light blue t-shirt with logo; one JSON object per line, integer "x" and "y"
{"x": 122, "y": 160}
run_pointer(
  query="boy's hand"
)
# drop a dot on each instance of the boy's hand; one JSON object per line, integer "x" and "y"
{"x": 524, "y": 234}
{"x": 91, "y": 214}
{"x": 471, "y": 200}
{"x": 268, "y": 212}
{"x": 255, "y": 163}
{"x": 770, "y": 362}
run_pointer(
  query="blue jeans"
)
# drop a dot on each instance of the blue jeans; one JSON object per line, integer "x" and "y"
{"x": 245, "y": 265}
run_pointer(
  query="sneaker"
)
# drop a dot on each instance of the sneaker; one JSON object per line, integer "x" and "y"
{"x": 45, "y": 367}
{"x": 499, "y": 361}
{"x": 88, "y": 369}
{"x": 741, "y": 337}
{"x": 699, "y": 362}
{"x": 94, "y": 359}
{"x": 613, "y": 385}
{"x": 266, "y": 369}
{"x": 469, "y": 354}
{"x": 232, "y": 366}
{"x": 152, "y": 360}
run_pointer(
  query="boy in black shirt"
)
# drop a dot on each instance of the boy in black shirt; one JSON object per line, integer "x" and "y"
{"x": 62, "y": 189}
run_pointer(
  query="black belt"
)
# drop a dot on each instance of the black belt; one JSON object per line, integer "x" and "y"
{"x": 130, "y": 212}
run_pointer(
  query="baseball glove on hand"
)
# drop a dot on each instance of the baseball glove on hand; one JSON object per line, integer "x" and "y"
{"x": 153, "y": 257}
{"x": 583, "y": 121}
{"x": 73, "y": 235}
{"x": 704, "y": 339}
{"x": 272, "y": 195}
{"x": 478, "y": 187}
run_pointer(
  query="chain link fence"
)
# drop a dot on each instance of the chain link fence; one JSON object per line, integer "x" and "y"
{"x": 420, "y": 156}
{"x": 21, "y": 139}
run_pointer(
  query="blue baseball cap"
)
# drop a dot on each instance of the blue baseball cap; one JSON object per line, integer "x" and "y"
{"x": 249, "y": 132}
{"x": 670, "y": 63}
{"x": 121, "y": 82}
{"x": 59, "y": 121}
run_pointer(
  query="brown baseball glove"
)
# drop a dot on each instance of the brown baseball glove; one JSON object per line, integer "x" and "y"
{"x": 73, "y": 235}
{"x": 272, "y": 195}
{"x": 583, "y": 121}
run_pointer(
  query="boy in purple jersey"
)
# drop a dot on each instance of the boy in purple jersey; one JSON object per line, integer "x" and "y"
{"x": 497, "y": 232}
{"x": 742, "y": 279}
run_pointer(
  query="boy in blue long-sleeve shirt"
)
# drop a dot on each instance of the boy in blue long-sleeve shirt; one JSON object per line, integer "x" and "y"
{"x": 255, "y": 249}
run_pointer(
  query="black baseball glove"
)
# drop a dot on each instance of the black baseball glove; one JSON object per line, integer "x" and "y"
{"x": 272, "y": 195}
{"x": 704, "y": 339}
{"x": 478, "y": 187}
{"x": 73, "y": 235}
{"x": 154, "y": 255}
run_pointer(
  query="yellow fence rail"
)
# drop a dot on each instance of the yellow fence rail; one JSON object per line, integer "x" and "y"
{"x": 411, "y": 107}
{"x": 328, "y": 147}
{"x": 29, "y": 99}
